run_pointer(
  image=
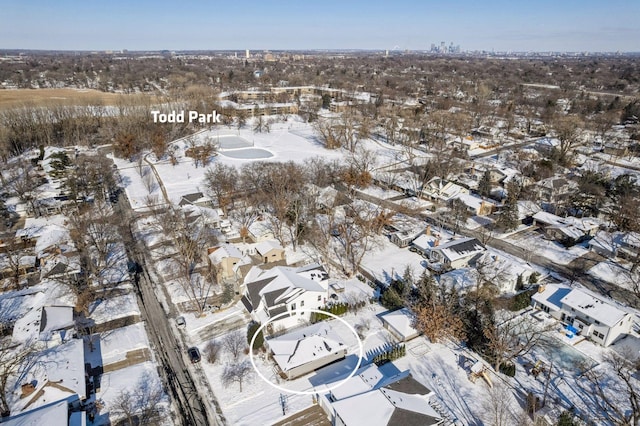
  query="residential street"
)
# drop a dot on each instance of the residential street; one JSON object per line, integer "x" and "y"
{"x": 171, "y": 355}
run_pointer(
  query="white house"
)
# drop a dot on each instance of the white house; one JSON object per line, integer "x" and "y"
{"x": 304, "y": 350}
{"x": 284, "y": 289}
{"x": 443, "y": 190}
{"x": 601, "y": 320}
{"x": 455, "y": 253}
{"x": 618, "y": 244}
{"x": 386, "y": 400}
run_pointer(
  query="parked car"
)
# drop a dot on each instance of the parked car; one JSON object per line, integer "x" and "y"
{"x": 194, "y": 355}
{"x": 180, "y": 322}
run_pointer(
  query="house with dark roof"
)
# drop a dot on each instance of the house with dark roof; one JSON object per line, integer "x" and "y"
{"x": 387, "y": 401}
{"x": 195, "y": 199}
{"x": 455, "y": 254}
{"x": 285, "y": 292}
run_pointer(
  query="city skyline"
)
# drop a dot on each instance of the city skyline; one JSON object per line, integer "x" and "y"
{"x": 498, "y": 25}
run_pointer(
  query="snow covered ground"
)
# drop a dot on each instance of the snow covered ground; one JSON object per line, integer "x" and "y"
{"x": 259, "y": 403}
{"x": 614, "y": 273}
{"x": 556, "y": 252}
{"x": 388, "y": 261}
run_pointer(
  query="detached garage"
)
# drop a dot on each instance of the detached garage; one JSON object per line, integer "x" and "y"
{"x": 400, "y": 324}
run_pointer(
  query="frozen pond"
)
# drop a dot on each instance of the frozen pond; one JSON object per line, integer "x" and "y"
{"x": 232, "y": 142}
{"x": 248, "y": 154}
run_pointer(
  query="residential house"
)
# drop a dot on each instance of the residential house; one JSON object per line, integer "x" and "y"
{"x": 625, "y": 245}
{"x": 600, "y": 319}
{"x": 53, "y": 414}
{"x": 566, "y": 230}
{"x": 427, "y": 241}
{"x": 270, "y": 251}
{"x": 301, "y": 351}
{"x": 227, "y": 258}
{"x": 387, "y": 400}
{"x": 50, "y": 325}
{"x": 477, "y": 206}
{"x": 287, "y": 291}
{"x": 455, "y": 253}
{"x": 461, "y": 280}
{"x": 12, "y": 265}
{"x": 328, "y": 197}
{"x": 555, "y": 191}
{"x": 60, "y": 377}
{"x": 195, "y": 199}
{"x": 404, "y": 229}
{"x": 503, "y": 272}
{"x": 400, "y": 324}
{"x": 438, "y": 189}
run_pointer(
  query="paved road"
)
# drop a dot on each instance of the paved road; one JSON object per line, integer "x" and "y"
{"x": 171, "y": 355}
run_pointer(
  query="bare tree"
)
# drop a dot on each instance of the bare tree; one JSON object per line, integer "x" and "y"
{"x": 513, "y": 338}
{"x": 238, "y": 372}
{"x": 14, "y": 359}
{"x": 568, "y": 129}
{"x": 234, "y": 343}
{"x": 499, "y": 405}
{"x": 612, "y": 389}
{"x": 223, "y": 182}
{"x": 211, "y": 351}
{"x": 141, "y": 404}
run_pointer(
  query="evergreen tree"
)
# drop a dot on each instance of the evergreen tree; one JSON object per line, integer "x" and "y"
{"x": 484, "y": 186}
{"x": 253, "y": 327}
{"x": 508, "y": 219}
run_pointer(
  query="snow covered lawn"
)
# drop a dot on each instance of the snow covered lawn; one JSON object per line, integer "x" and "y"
{"x": 613, "y": 273}
{"x": 553, "y": 251}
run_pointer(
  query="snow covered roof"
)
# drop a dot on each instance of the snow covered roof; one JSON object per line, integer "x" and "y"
{"x": 265, "y": 247}
{"x": 551, "y": 295}
{"x": 104, "y": 310}
{"x": 443, "y": 189}
{"x": 425, "y": 242}
{"x": 370, "y": 399}
{"x": 306, "y": 345}
{"x": 460, "y": 248}
{"x": 473, "y": 201}
{"x": 224, "y": 251}
{"x": 60, "y": 375}
{"x": 401, "y": 321}
{"x": 595, "y": 307}
{"x": 54, "y": 414}
{"x": 278, "y": 284}
{"x": 41, "y": 323}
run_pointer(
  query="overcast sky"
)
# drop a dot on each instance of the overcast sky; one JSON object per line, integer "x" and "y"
{"x": 513, "y": 25}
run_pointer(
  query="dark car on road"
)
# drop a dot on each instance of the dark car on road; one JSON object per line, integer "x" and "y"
{"x": 194, "y": 354}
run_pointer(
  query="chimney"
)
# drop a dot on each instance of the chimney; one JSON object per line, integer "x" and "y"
{"x": 436, "y": 243}
{"x": 428, "y": 230}
{"x": 541, "y": 288}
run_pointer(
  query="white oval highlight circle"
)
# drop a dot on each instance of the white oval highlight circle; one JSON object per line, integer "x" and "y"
{"x": 311, "y": 392}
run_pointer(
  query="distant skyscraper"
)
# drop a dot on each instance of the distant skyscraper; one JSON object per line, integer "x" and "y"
{"x": 247, "y": 54}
